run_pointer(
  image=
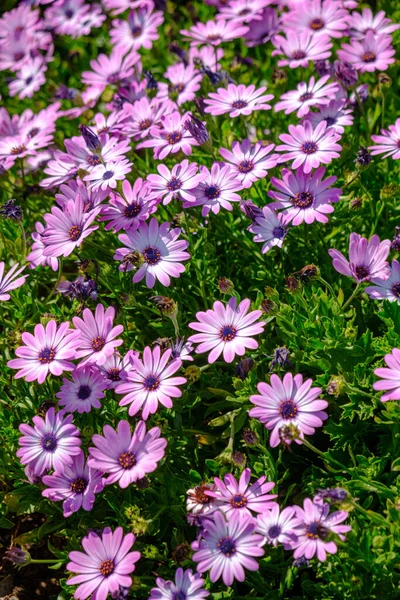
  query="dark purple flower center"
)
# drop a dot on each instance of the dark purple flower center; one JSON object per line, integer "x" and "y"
{"x": 106, "y": 568}
{"x": 288, "y": 409}
{"x": 69, "y": 13}
{"x": 368, "y": 57}
{"x": 239, "y": 104}
{"x": 132, "y": 210}
{"x": 279, "y": 232}
{"x": 18, "y": 56}
{"x": 136, "y": 31}
{"x": 177, "y": 87}
{"x": 93, "y": 160}
{"x": 145, "y": 124}
{"x": 49, "y": 442}
{"x": 274, "y": 532}
{"x": 114, "y": 375}
{"x": 33, "y": 132}
{"x": 362, "y": 272}
{"x": 108, "y": 175}
{"x": 98, "y": 343}
{"x": 46, "y": 356}
{"x": 84, "y": 392}
{"x": 298, "y": 54}
{"x": 79, "y": 485}
{"x": 29, "y": 80}
{"x": 238, "y": 501}
{"x": 74, "y": 233}
{"x": 227, "y": 546}
{"x": 396, "y": 289}
{"x": 18, "y": 150}
{"x": 174, "y": 137}
{"x": 151, "y": 255}
{"x": 330, "y": 121}
{"x": 303, "y": 199}
{"x": 179, "y": 596}
{"x": 316, "y": 531}
{"x": 317, "y": 24}
{"x": 306, "y": 96}
{"x": 174, "y": 184}
{"x": 151, "y": 383}
{"x": 127, "y": 460}
{"x": 113, "y": 78}
{"x": 245, "y": 166}
{"x": 213, "y": 37}
{"x": 227, "y": 333}
{"x": 212, "y": 192}
{"x": 309, "y": 147}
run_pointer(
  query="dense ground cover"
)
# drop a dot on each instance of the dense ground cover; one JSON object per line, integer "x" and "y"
{"x": 200, "y": 299}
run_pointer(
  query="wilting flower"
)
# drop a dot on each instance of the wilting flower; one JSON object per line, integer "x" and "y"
{"x": 11, "y": 280}
{"x": 126, "y": 457}
{"x": 82, "y": 289}
{"x": 304, "y": 197}
{"x": 249, "y": 162}
{"x": 386, "y": 289}
{"x": 214, "y": 32}
{"x": 390, "y": 381}
{"x": 104, "y": 566}
{"x": 335, "y": 114}
{"x": 332, "y": 494}
{"x": 116, "y": 368}
{"x": 270, "y": 229}
{"x": 307, "y": 95}
{"x": 373, "y": 53}
{"x": 388, "y": 143}
{"x": 175, "y": 183}
{"x": 288, "y": 401}
{"x": 50, "y": 444}
{"x": 316, "y": 524}
{"x": 226, "y": 546}
{"x": 226, "y": 329}
{"x": 277, "y": 526}
{"x": 128, "y": 210}
{"x": 49, "y": 350}
{"x": 199, "y": 502}
{"x": 300, "y": 48}
{"x": 76, "y": 486}
{"x": 97, "y": 335}
{"x": 217, "y": 188}
{"x": 185, "y": 587}
{"x": 317, "y": 17}
{"x": 83, "y": 392}
{"x": 237, "y": 100}
{"x": 367, "y": 259}
{"x": 150, "y": 383}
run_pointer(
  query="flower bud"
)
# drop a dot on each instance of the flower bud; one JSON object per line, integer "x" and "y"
{"x": 396, "y": 240}
{"x": 335, "y": 386}
{"x": 18, "y": 557}
{"x": 345, "y": 73}
{"x": 11, "y": 211}
{"x": 308, "y": 273}
{"x": 92, "y": 141}
{"x": 280, "y": 359}
{"x": 363, "y": 157}
{"x": 244, "y": 367}
{"x": 251, "y": 210}
{"x": 239, "y": 458}
{"x": 267, "y": 306}
{"x": 197, "y": 130}
{"x": 192, "y": 373}
{"x": 250, "y": 437}
{"x": 225, "y": 285}
{"x": 181, "y": 553}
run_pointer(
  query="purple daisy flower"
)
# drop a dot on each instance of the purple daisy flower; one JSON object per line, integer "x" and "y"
{"x": 50, "y": 349}
{"x": 214, "y": 32}
{"x": 36, "y": 256}
{"x": 76, "y": 486}
{"x": 309, "y": 147}
{"x": 317, "y": 17}
{"x": 109, "y": 70}
{"x": 232, "y": 496}
{"x": 184, "y": 82}
{"x": 175, "y": 183}
{"x": 360, "y": 23}
{"x": 139, "y": 30}
{"x": 373, "y": 53}
{"x": 316, "y": 524}
{"x": 237, "y": 100}
{"x": 242, "y": 11}
{"x": 249, "y": 162}
{"x": 128, "y": 210}
{"x": 263, "y": 30}
{"x": 277, "y": 526}
{"x": 116, "y": 368}
{"x": 367, "y": 259}
{"x": 140, "y": 116}
{"x": 270, "y": 229}
{"x": 83, "y": 392}
{"x": 335, "y": 114}
{"x": 187, "y": 586}
{"x": 226, "y": 329}
{"x": 307, "y": 95}
{"x": 388, "y": 143}
{"x": 11, "y": 280}
{"x": 288, "y": 401}
{"x": 150, "y": 383}
{"x": 304, "y": 197}
{"x": 386, "y": 289}
{"x": 227, "y": 547}
{"x": 301, "y": 48}
{"x": 170, "y": 137}
{"x": 104, "y": 566}
{"x": 181, "y": 349}
{"x": 104, "y": 177}
{"x": 390, "y": 381}
{"x": 97, "y": 335}
{"x": 217, "y": 188}
{"x": 50, "y": 444}
{"x": 124, "y": 456}
{"x": 161, "y": 251}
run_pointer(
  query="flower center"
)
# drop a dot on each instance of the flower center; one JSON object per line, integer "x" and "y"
{"x": 316, "y": 530}
{"x": 69, "y": 13}
{"x": 309, "y": 147}
{"x": 174, "y": 137}
{"x": 136, "y": 31}
{"x": 245, "y": 166}
{"x": 79, "y": 485}
{"x": 212, "y": 192}
{"x": 49, "y": 443}
{"x": 174, "y": 184}
{"x": 151, "y": 255}
{"x": 18, "y": 56}
{"x": 33, "y": 132}
{"x": 227, "y": 546}
{"x": 213, "y": 37}
{"x": 298, "y": 54}
{"x": 368, "y": 57}
{"x": 274, "y": 532}
{"x": 18, "y": 150}
{"x": 114, "y": 375}
{"x": 132, "y": 210}
{"x": 239, "y": 104}
{"x": 287, "y": 409}
{"x": 330, "y": 121}
{"x": 227, "y": 333}
{"x": 317, "y": 24}
{"x": 93, "y": 160}
{"x": 145, "y": 124}
{"x": 238, "y": 501}
{"x": 98, "y": 343}
{"x": 106, "y": 568}
{"x": 179, "y": 596}
{"x": 46, "y": 356}
{"x": 127, "y": 460}
{"x": 108, "y": 175}
{"x": 113, "y": 78}
{"x": 84, "y": 392}
{"x": 306, "y": 96}
{"x": 177, "y": 87}
{"x": 279, "y": 232}
{"x": 396, "y": 289}
{"x": 243, "y": 12}
{"x": 362, "y": 272}
{"x": 74, "y": 233}
{"x": 303, "y": 199}
{"x": 29, "y": 80}
{"x": 200, "y": 496}
{"x": 151, "y": 383}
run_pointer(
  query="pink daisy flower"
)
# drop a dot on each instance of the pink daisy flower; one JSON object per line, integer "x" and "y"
{"x": 110, "y": 70}
{"x": 335, "y": 114}
{"x": 307, "y": 95}
{"x": 68, "y": 227}
{"x": 386, "y": 289}
{"x": 270, "y": 229}
{"x": 83, "y": 392}
{"x": 249, "y": 162}
{"x": 11, "y": 280}
{"x": 118, "y": 6}
{"x": 243, "y": 11}
{"x": 111, "y": 149}
{"x": 36, "y": 256}
{"x": 373, "y": 53}
{"x": 116, "y": 368}
{"x": 317, "y": 17}
{"x": 126, "y": 457}
{"x": 226, "y": 547}
{"x": 390, "y": 382}
{"x": 170, "y": 137}
{"x": 104, "y": 177}
{"x": 184, "y": 82}
{"x": 71, "y": 189}
{"x": 49, "y": 350}
{"x": 227, "y": 330}
{"x": 217, "y": 188}
{"x": 150, "y": 383}
{"x": 316, "y": 524}
{"x": 288, "y": 402}
{"x": 76, "y": 486}
{"x": 214, "y": 33}
{"x": 160, "y": 249}
{"x": 388, "y": 143}
{"x": 97, "y": 335}
{"x": 104, "y": 566}
{"x": 360, "y": 23}
{"x": 301, "y": 48}
{"x": 185, "y": 587}
{"x": 309, "y": 147}
{"x": 175, "y": 183}
{"x": 277, "y": 526}
{"x": 304, "y": 197}
{"x": 22, "y": 145}
{"x": 139, "y": 31}
{"x": 367, "y": 259}
{"x": 60, "y": 170}
{"x": 233, "y": 497}
{"x": 29, "y": 79}
{"x": 141, "y": 116}
{"x": 129, "y": 210}
{"x": 50, "y": 444}
{"x": 237, "y": 100}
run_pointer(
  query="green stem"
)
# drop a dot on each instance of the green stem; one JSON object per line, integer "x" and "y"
{"x": 383, "y": 111}
{"x": 21, "y": 162}
{"x": 364, "y": 114}
{"x": 353, "y": 295}
{"x": 23, "y": 239}
{"x": 43, "y": 561}
{"x": 58, "y": 280}
{"x": 326, "y": 284}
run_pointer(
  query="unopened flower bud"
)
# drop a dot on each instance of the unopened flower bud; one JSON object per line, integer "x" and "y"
{"x": 18, "y": 556}
{"x": 267, "y": 306}
{"x": 181, "y": 553}
{"x": 280, "y": 359}
{"x": 197, "y": 130}
{"x": 396, "y": 240}
{"x": 166, "y": 305}
{"x": 384, "y": 80}
{"x": 279, "y": 76}
{"x": 11, "y": 211}
{"x": 288, "y": 433}
{"x": 152, "y": 83}
{"x": 292, "y": 284}
{"x": 332, "y": 494}
{"x": 356, "y": 203}
{"x": 250, "y": 437}
{"x": 389, "y": 191}
{"x": 308, "y": 273}
{"x": 239, "y": 458}
{"x": 251, "y": 210}
{"x": 345, "y": 73}
{"x": 192, "y": 373}
{"x": 243, "y": 368}
{"x": 225, "y": 285}
{"x": 335, "y": 386}
{"x": 324, "y": 67}
{"x": 92, "y": 141}
{"x": 363, "y": 157}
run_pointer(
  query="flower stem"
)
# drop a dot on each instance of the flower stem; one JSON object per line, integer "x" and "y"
{"x": 353, "y": 295}
{"x": 364, "y": 114}
{"x": 326, "y": 284}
